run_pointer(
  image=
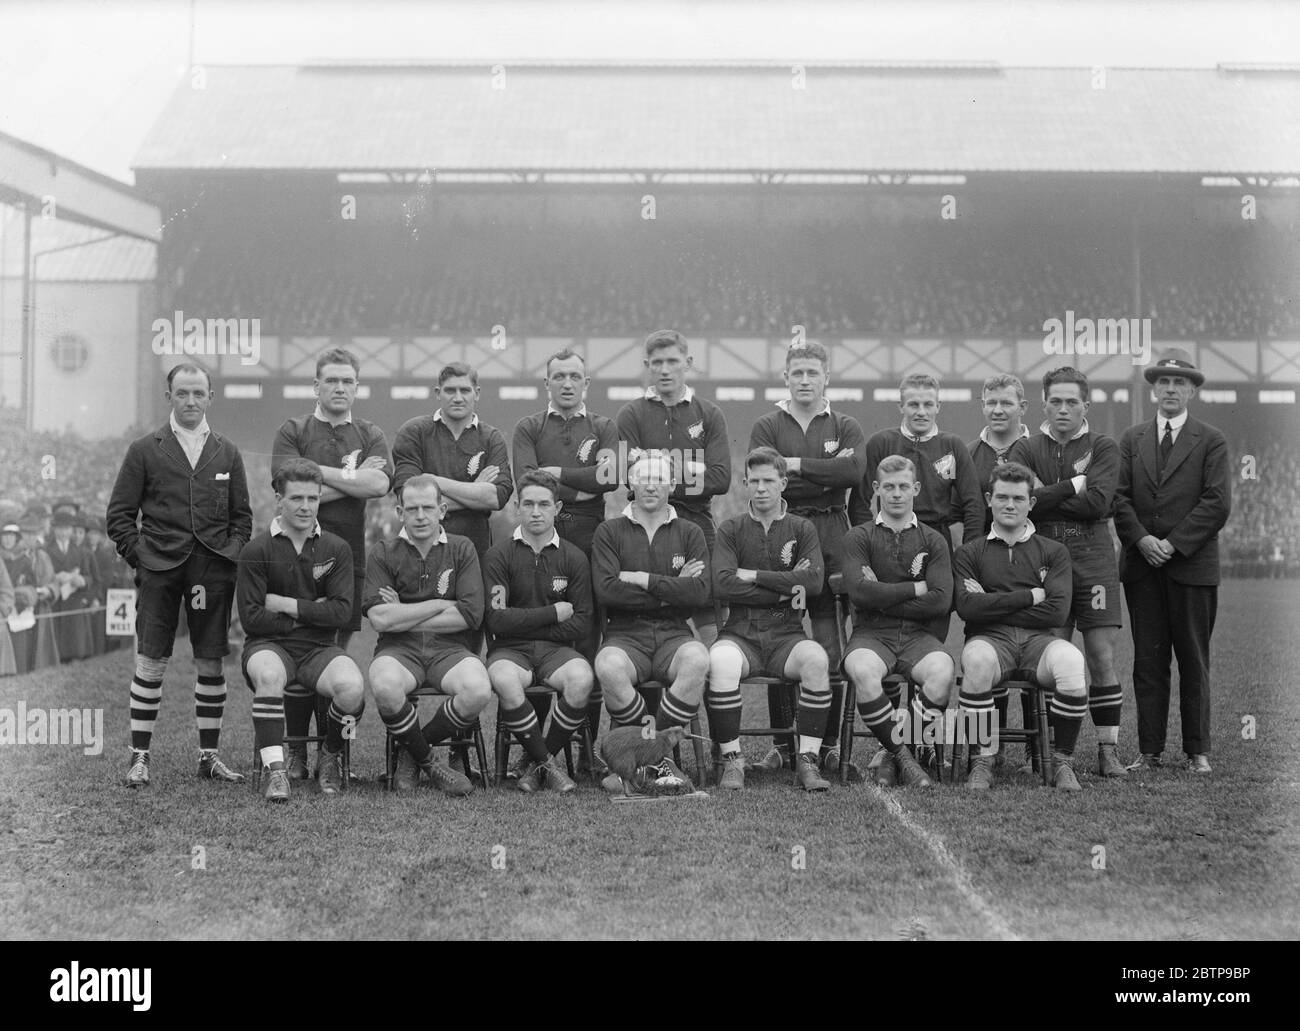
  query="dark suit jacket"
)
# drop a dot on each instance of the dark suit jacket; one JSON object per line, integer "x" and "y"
{"x": 1187, "y": 505}
{"x": 179, "y": 506}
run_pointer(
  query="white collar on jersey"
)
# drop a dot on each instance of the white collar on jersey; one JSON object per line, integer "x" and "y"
{"x": 1028, "y": 532}
{"x": 277, "y": 530}
{"x": 1046, "y": 430}
{"x": 402, "y": 535}
{"x": 687, "y": 397}
{"x": 554, "y": 542}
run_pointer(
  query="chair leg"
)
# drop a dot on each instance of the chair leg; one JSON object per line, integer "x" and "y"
{"x": 481, "y": 747}
{"x": 1044, "y": 737}
{"x": 846, "y": 728}
{"x": 501, "y": 748}
{"x": 347, "y": 763}
{"x": 390, "y": 760}
{"x": 588, "y": 749}
{"x": 702, "y": 770}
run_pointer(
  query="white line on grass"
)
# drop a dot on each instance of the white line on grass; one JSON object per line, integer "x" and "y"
{"x": 992, "y": 919}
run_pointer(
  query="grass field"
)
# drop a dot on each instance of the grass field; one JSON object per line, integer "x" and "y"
{"x": 1184, "y": 858}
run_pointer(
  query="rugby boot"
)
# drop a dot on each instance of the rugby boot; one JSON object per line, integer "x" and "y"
{"x": 910, "y": 772}
{"x": 212, "y": 768}
{"x": 806, "y": 774}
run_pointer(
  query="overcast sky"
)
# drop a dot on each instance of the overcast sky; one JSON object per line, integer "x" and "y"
{"x": 87, "y": 79}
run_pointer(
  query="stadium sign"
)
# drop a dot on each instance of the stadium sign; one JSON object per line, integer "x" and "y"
{"x": 1087, "y": 336}
{"x": 208, "y": 337}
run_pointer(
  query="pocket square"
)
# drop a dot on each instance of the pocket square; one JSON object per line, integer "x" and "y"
{"x": 222, "y": 476}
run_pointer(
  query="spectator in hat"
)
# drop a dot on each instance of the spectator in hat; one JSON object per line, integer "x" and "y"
{"x": 1173, "y": 498}
{"x": 32, "y": 575}
{"x": 74, "y": 576}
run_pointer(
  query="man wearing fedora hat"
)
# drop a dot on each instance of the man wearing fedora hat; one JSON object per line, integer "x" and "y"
{"x": 1174, "y": 495}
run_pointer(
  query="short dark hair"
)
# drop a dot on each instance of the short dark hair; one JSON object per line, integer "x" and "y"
{"x": 296, "y": 470}
{"x": 1010, "y": 472}
{"x": 564, "y": 354}
{"x": 418, "y": 481}
{"x": 895, "y": 464}
{"x": 1065, "y": 374}
{"x": 188, "y": 367}
{"x": 809, "y": 349}
{"x": 538, "y": 478}
{"x": 458, "y": 369}
{"x": 337, "y": 356}
{"x": 766, "y": 456}
{"x": 661, "y": 338}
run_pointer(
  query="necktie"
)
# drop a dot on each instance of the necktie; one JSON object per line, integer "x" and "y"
{"x": 1166, "y": 445}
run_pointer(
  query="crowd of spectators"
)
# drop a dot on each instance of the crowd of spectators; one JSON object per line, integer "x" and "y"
{"x": 833, "y": 279}
{"x": 1262, "y": 537}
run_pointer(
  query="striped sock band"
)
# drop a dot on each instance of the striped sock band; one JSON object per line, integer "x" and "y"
{"x": 1065, "y": 714}
{"x": 814, "y": 712}
{"x": 146, "y": 698}
{"x": 404, "y": 726}
{"x": 1105, "y": 701}
{"x": 268, "y": 722}
{"x": 893, "y": 691}
{"x": 337, "y": 721}
{"x": 522, "y": 723}
{"x": 878, "y": 715}
{"x": 631, "y": 716}
{"x": 673, "y": 712}
{"x": 977, "y": 714}
{"x": 724, "y": 710}
{"x": 299, "y": 704}
{"x": 448, "y": 722}
{"x": 565, "y": 720}
{"x": 209, "y": 705}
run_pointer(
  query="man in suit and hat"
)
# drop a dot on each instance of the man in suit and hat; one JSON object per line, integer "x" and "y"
{"x": 1174, "y": 495}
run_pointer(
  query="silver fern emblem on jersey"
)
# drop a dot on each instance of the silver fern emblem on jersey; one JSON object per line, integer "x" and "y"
{"x": 559, "y": 584}
{"x": 946, "y": 467}
{"x": 679, "y": 561}
{"x": 918, "y": 563}
{"x": 475, "y": 461}
{"x": 585, "y": 449}
{"x": 1042, "y": 574}
{"x": 787, "y": 553}
{"x": 831, "y": 446}
{"x": 318, "y": 571}
{"x": 444, "y": 583}
{"x": 1081, "y": 466}
{"x": 696, "y": 430}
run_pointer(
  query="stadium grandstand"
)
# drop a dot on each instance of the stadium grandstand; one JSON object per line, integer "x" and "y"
{"x": 423, "y": 213}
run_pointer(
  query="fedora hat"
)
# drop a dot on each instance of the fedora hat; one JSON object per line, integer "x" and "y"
{"x": 1177, "y": 362}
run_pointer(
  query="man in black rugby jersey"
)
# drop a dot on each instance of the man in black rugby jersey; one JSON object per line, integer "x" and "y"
{"x": 294, "y": 589}
{"x": 580, "y": 450}
{"x": 650, "y": 569}
{"x": 767, "y": 564}
{"x": 825, "y": 452}
{"x": 352, "y": 454}
{"x": 672, "y": 420}
{"x": 1013, "y": 590}
{"x": 539, "y": 607}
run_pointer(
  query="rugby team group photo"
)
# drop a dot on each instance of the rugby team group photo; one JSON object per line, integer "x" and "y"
{"x": 839, "y": 581}
{"x": 665, "y": 470}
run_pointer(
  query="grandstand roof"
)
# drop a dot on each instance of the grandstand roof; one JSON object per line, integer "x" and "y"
{"x": 730, "y": 117}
